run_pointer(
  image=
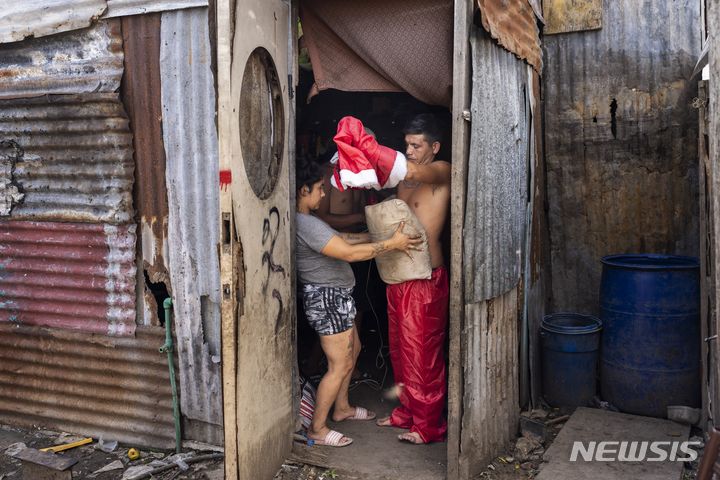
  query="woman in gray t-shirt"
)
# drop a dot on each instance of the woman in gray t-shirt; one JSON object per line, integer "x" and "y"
{"x": 326, "y": 281}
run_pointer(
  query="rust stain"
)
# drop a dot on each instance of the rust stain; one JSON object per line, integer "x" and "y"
{"x": 514, "y": 25}
{"x": 140, "y": 92}
{"x": 92, "y": 385}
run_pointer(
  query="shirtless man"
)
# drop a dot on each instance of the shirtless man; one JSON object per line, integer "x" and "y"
{"x": 418, "y": 309}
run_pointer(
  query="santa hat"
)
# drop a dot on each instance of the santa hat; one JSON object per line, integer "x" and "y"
{"x": 362, "y": 162}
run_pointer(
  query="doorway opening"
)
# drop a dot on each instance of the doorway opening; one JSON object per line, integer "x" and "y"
{"x": 376, "y": 451}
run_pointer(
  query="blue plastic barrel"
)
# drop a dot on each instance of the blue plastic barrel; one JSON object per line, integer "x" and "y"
{"x": 570, "y": 344}
{"x": 650, "y": 307}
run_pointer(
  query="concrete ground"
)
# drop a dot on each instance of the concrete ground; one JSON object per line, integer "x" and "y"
{"x": 376, "y": 452}
{"x": 588, "y": 424}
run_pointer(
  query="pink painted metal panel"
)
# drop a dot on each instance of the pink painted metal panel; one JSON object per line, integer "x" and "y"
{"x": 68, "y": 275}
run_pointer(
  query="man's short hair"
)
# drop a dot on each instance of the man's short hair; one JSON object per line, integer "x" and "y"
{"x": 307, "y": 173}
{"x": 424, "y": 124}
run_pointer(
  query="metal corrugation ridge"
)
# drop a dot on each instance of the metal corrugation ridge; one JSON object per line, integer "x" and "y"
{"x": 115, "y": 388}
{"x": 19, "y": 20}
{"x": 120, "y": 8}
{"x": 141, "y": 95}
{"x": 495, "y": 213}
{"x": 88, "y": 60}
{"x": 68, "y": 275}
{"x": 75, "y": 157}
{"x": 191, "y": 145}
{"x": 512, "y": 23}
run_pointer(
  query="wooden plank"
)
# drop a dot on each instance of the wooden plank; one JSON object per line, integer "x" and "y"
{"x": 228, "y": 251}
{"x": 491, "y": 392}
{"x": 705, "y": 253}
{"x": 563, "y": 16}
{"x": 293, "y": 66}
{"x": 45, "y": 459}
{"x": 460, "y": 149}
{"x": 713, "y": 20}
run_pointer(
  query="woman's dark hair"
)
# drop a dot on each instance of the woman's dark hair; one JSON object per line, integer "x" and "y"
{"x": 307, "y": 173}
{"x": 424, "y": 124}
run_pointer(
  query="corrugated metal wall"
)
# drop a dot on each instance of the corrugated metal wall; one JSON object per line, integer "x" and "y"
{"x": 497, "y": 188}
{"x": 190, "y": 137}
{"x": 88, "y": 60}
{"x": 76, "y": 163}
{"x": 116, "y": 388}
{"x": 68, "y": 275}
{"x": 70, "y": 158}
{"x": 621, "y": 142}
{"x": 496, "y": 250}
{"x": 121, "y": 8}
{"x": 19, "y": 20}
{"x": 140, "y": 92}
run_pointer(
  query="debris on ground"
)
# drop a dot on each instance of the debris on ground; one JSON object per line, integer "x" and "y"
{"x": 106, "y": 446}
{"x": 116, "y": 465}
{"x": 97, "y": 464}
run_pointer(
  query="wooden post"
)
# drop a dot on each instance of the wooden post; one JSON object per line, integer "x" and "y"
{"x": 460, "y": 149}
{"x": 228, "y": 246}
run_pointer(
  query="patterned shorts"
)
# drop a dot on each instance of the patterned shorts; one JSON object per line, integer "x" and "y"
{"x": 329, "y": 310}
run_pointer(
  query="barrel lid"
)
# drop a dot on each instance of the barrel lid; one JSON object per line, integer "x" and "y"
{"x": 571, "y": 323}
{"x": 651, "y": 261}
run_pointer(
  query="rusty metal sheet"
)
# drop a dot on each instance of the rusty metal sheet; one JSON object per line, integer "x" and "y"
{"x": 19, "y": 20}
{"x": 120, "y": 8}
{"x": 87, "y": 60}
{"x": 496, "y": 206}
{"x": 512, "y": 23}
{"x": 90, "y": 385}
{"x": 537, "y": 8}
{"x": 192, "y": 176}
{"x": 140, "y": 92}
{"x": 75, "y": 157}
{"x": 621, "y": 142}
{"x": 68, "y": 275}
{"x": 563, "y": 16}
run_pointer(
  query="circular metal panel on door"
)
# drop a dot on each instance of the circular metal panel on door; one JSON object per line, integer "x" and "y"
{"x": 262, "y": 123}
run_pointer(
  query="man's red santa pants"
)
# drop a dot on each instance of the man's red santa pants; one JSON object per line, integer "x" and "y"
{"x": 417, "y": 320}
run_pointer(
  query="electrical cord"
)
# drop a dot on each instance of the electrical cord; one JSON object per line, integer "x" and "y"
{"x": 380, "y": 362}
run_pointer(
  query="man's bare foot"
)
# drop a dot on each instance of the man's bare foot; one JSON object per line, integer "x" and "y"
{"x": 412, "y": 437}
{"x": 384, "y": 422}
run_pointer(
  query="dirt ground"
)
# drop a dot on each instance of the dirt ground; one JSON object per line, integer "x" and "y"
{"x": 91, "y": 459}
{"x": 522, "y": 458}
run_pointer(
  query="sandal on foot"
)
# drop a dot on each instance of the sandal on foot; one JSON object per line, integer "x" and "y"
{"x": 361, "y": 413}
{"x": 334, "y": 439}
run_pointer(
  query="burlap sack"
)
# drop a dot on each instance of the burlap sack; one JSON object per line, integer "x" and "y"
{"x": 395, "y": 266}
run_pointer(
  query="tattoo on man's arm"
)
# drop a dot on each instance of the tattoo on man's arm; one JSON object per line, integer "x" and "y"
{"x": 379, "y": 247}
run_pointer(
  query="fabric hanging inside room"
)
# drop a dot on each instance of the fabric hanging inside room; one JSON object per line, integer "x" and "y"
{"x": 381, "y": 46}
